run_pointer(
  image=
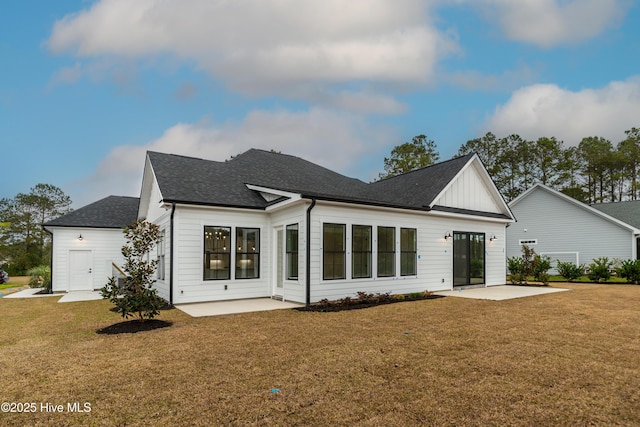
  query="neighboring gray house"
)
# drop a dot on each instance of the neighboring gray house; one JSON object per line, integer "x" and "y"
{"x": 565, "y": 229}
{"x": 628, "y": 212}
{"x": 271, "y": 225}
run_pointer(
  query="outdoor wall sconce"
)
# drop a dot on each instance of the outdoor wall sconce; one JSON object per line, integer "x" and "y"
{"x": 80, "y": 238}
{"x": 493, "y": 238}
{"x": 447, "y": 236}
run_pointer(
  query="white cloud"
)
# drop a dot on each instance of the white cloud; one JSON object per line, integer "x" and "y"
{"x": 268, "y": 45}
{"x": 548, "y": 110}
{"x": 548, "y": 23}
{"x": 337, "y": 141}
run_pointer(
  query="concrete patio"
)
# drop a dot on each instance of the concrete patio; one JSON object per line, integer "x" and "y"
{"x": 217, "y": 308}
{"x": 499, "y": 293}
{"x": 66, "y": 297}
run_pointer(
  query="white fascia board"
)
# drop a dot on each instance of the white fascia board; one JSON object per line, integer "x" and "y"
{"x": 469, "y": 217}
{"x": 291, "y": 197}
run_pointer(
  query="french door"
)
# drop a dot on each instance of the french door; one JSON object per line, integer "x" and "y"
{"x": 468, "y": 258}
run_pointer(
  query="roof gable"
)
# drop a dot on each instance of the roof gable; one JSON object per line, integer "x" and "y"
{"x": 570, "y": 200}
{"x": 628, "y": 212}
{"x": 110, "y": 212}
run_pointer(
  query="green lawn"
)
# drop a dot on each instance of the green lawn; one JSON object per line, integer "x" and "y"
{"x": 568, "y": 358}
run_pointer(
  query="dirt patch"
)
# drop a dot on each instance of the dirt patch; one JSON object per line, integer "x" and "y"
{"x": 134, "y": 326}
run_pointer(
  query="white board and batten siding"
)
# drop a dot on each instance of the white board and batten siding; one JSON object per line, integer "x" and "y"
{"x": 471, "y": 191}
{"x": 434, "y": 252}
{"x": 551, "y": 224}
{"x": 98, "y": 249}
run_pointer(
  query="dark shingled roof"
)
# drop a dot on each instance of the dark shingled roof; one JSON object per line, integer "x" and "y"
{"x": 110, "y": 212}
{"x": 627, "y": 212}
{"x": 196, "y": 181}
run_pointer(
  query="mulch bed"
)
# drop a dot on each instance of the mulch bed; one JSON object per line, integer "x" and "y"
{"x": 134, "y": 326}
{"x": 357, "y": 305}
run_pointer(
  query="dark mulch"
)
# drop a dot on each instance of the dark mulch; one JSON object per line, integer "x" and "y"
{"x": 134, "y": 326}
{"x": 356, "y": 305}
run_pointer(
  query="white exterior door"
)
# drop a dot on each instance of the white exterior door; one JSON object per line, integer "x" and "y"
{"x": 80, "y": 271}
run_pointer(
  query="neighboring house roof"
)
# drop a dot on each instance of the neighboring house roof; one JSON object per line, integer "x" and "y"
{"x": 628, "y": 212}
{"x": 596, "y": 212}
{"x": 110, "y": 212}
{"x": 196, "y": 181}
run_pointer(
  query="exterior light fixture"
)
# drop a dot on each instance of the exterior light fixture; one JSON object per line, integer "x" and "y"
{"x": 80, "y": 238}
{"x": 493, "y": 238}
{"x": 447, "y": 236}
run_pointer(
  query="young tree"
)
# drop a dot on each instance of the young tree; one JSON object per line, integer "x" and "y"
{"x": 136, "y": 297}
{"x": 409, "y": 156}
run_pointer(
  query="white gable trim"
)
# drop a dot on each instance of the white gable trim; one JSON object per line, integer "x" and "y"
{"x": 486, "y": 179}
{"x": 574, "y": 202}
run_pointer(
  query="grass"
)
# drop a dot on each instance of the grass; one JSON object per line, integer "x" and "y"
{"x": 569, "y": 358}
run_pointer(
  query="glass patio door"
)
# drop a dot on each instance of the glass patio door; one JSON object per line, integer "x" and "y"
{"x": 468, "y": 258}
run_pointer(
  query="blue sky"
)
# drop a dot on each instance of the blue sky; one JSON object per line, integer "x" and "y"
{"x": 86, "y": 87}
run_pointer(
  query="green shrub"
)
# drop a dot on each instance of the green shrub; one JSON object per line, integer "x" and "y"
{"x": 514, "y": 264}
{"x": 569, "y": 270}
{"x": 630, "y": 270}
{"x": 600, "y": 270}
{"x": 541, "y": 266}
{"x": 40, "y": 277}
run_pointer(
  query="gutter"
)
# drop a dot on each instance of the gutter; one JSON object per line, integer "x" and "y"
{"x": 308, "y": 260}
{"x": 173, "y": 211}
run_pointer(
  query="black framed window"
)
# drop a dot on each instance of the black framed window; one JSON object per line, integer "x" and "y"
{"x": 386, "y": 251}
{"x": 408, "y": 252}
{"x": 292, "y": 251}
{"x": 247, "y": 253}
{"x": 217, "y": 253}
{"x": 333, "y": 251}
{"x": 360, "y": 251}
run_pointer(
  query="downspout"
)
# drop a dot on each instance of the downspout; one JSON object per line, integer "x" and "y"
{"x": 308, "y": 266}
{"x": 173, "y": 211}
{"x": 50, "y": 263}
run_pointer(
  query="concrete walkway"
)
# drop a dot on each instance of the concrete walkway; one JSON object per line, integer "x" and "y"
{"x": 72, "y": 296}
{"x": 217, "y": 308}
{"x": 499, "y": 293}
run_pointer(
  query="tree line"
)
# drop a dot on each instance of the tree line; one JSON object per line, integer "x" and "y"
{"x": 594, "y": 171}
{"x": 24, "y": 244}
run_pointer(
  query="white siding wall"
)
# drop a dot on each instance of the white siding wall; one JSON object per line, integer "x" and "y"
{"x": 560, "y": 226}
{"x": 105, "y": 245}
{"x": 188, "y": 284}
{"x": 435, "y": 254}
{"x": 469, "y": 191}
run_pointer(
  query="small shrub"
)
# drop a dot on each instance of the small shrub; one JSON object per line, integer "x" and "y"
{"x": 514, "y": 264}
{"x": 569, "y": 270}
{"x": 40, "y": 277}
{"x": 541, "y": 267}
{"x": 600, "y": 270}
{"x": 630, "y": 270}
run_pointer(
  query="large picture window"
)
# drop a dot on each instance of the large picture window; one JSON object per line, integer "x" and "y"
{"x": 386, "y": 251}
{"x": 333, "y": 252}
{"x": 247, "y": 253}
{"x": 408, "y": 252}
{"x": 360, "y": 251}
{"x": 292, "y": 251}
{"x": 217, "y": 253}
